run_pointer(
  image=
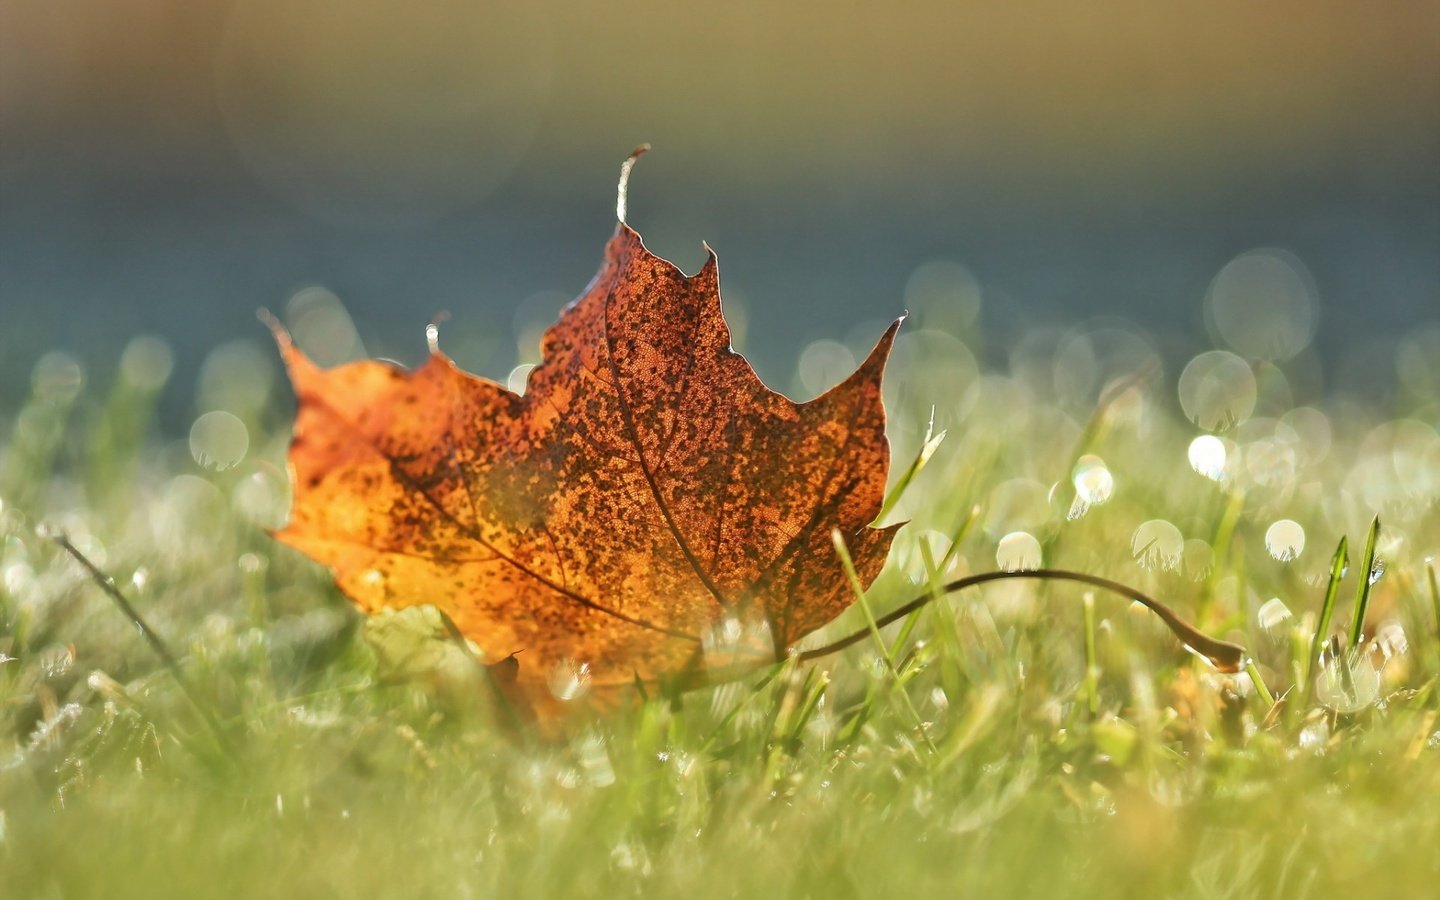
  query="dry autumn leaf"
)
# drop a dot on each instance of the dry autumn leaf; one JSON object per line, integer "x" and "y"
{"x": 645, "y": 490}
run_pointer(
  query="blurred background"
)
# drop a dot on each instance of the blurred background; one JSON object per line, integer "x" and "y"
{"x": 1258, "y": 178}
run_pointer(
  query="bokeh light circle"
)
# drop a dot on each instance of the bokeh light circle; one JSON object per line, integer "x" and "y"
{"x": 1262, "y": 304}
{"x": 1217, "y": 390}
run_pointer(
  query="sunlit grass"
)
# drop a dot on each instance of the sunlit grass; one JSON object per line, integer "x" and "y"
{"x": 1020, "y": 739}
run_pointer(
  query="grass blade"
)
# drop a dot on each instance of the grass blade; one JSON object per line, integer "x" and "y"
{"x": 1338, "y": 564}
{"x": 928, "y": 447}
{"x": 1368, "y": 578}
{"x": 873, "y": 629}
{"x": 157, "y": 644}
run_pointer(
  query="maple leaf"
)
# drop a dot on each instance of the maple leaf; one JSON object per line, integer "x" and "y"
{"x": 646, "y": 488}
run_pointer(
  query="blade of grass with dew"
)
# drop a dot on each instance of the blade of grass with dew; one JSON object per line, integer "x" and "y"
{"x": 1338, "y": 564}
{"x": 1368, "y": 577}
{"x": 928, "y": 446}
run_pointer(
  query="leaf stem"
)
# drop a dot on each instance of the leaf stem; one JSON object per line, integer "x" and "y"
{"x": 621, "y": 194}
{"x": 1225, "y": 656}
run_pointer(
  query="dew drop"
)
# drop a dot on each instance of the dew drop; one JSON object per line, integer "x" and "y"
{"x": 1273, "y": 613}
{"x": 1217, "y": 390}
{"x": 252, "y": 563}
{"x": 322, "y": 328}
{"x": 1020, "y": 504}
{"x": 1377, "y": 570}
{"x": 1314, "y": 736}
{"x": 218, "y": 440}
{"x": 519, "y": 378}
{"x": 262, "y": 498}
{"x": 945, "y": 295}
{"x": 57, "y": 377}
{"x": 1262, "y": 304}
{"x": 1157, "y": 544}
{"x": 1391, "y": 640}
{"x": 824, "y": 364}
{"x": 1207, "y": 456}
{"x": 1197, "y": 558}
{"x": 1018, "y": 551}
{"x": 1093, "y": 482}
{"x": 56, "y": 660}
{"x": 911, "y": 559}
{"x": 236, "y": 376}
{"x": 147, "y": 363}
{"x": 594, "y": 759}
{"x": 1285, "y": 540}
{"x": 570, "y": 680}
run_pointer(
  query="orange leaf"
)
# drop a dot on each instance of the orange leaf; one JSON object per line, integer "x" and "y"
{"x": 644, "y": 490}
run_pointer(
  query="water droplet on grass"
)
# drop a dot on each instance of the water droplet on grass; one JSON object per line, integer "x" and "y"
{"x": 1197, "y": 559}
{"x": 1157, "y": 544}
{"x": 237, "y": 376}
{"x": 1217, "y": 390}
{"x": 911, "y": 559}
{"x": 56, "y": 661}
{"x": 570, "y": 680}
{"x": 1285, "y": 540}
{"x": 1020, "y": 504}
{"x": 1262, "y": 304}
{"x": 57, "y": 378}
{"x": 147, "y": 363}
{"x": 822, "y": 365}
{"x": 1018, "y": 551}
{"x": 594, "y": 760}
{"x": 944, "y": 295}
{"x": 1314, "y": 736}
{"x": 322, "y": 327}
{"x": 263, "y": 497}
{"x": 1273, "y": 613}
{"x": 218, "y": 440}
{"x": 1093, "y": 482}
{"x": 1207, "y": 456}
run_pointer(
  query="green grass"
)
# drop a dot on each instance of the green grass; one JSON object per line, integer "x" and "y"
{"x": 1022, "y": 739}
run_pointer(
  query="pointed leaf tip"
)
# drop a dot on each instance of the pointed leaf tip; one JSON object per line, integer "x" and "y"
{"x": 875, "y": 362}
